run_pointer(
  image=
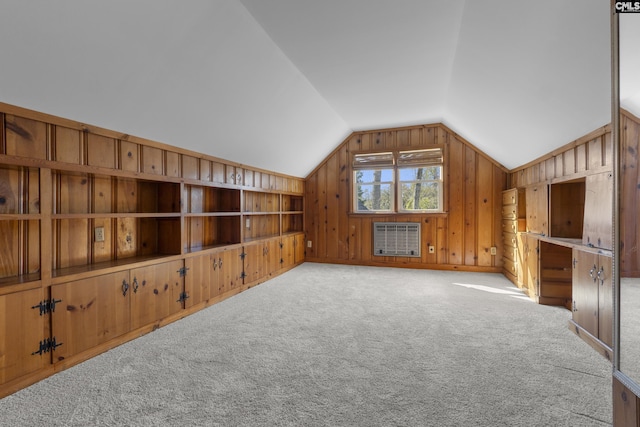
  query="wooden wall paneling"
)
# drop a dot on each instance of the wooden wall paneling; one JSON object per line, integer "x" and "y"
{"x": 470, "y": 207}
{"x": 46, "y": 228}
{"x": 102, "y": 251}
{"x": 442, "y": 250}
{"x": 248, "y": 178}
{"x": 354, "y": 142}
{"x": 581, "y": 158}
{"x": 229, "y": 174}
{"x": 9, "y": 240}
{"x": 321, "y": 250}
{"x": 205, "y": 170}
{"x": 129, "y": 156}
{"x": 430, "y": 135}
{"x": 68, "y": 145}
{"x": 342, "y": 195}
{"x": 31, "y": 246}
{"x": 73, "y": 192}
{"x": 10, "y": 191}
{"x": 378, "y": 141}
{"x": 607, "y": 150}
{"x": 366, "y": 239}
{"x": 72, "y": 242}
{"x": 456, "y": 201}
{"x": 499, "y": 184}
{"x": 630, "y": 197}
{"x": 415, "y": 138}
{"x": 569, "y": 161}
{"x": 485, "y": 201}
{"x": 559, "y": 166}
{"x": 171, "y": 164}
{"x": 166, "y": 234}
{"x": 190, "y": 167}
{"x": 366, "y": 142}
{"x": 312, "y": 209}
{"x": 152, "y": 160}
{"x": 127, "y": 237}
{"x": 217, "y": 172}
{"x": 3, "y": 145}
{"x": 159, "y": 197}
{"x": 25, "y": 137}
{"x": 549, "y": 169}
{"x": 126, "y": 195}
{"x": 595, "y": 153}
{"x": 102, "y": 192}
{"x": 429, "y": 238}
{"x": 355, "y": 233}
{"x": 101, "y": 151}
{"x": 402, "y": 138}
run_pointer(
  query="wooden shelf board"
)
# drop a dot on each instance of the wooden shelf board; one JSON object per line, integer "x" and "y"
{"x": 63, "y": 275}
{"x": 20, "y": 217}
{"x": 201, "y": 214}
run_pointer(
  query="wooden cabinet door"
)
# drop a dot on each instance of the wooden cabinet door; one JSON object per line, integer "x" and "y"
{"x": 90, "y": 312}
{"x": 198, "y": 281}
{"x": 156, "y": 292}
{"x": 230, "y": 269}
{"x": 530, "y": 267}
{"x": 288, "y": 251}
{"x": 299, "y": 248}
{"x": 253, "y": 262}
{"x": 598, "y": 211}
{"x": 605, "y": 301}
{"x": 585, "y": 290}
{"x": 22, "y": 328}
{"x": 537, "y": 208}
{"x": 272, "y": 256}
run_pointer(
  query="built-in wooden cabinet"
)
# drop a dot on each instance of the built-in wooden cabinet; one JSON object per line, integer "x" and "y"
{"x": 104, "y": 237}
{"x": 537, "y": 209}
{"x": 592, "y": 304}
{"x": 22, "y": 334}
{"x": 567, "y": 236}
{"x": 513, "y": 222}
{"x": 90, "y": 312}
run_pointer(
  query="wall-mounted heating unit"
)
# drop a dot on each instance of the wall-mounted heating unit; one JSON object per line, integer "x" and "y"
{"x": 396, "y": 239}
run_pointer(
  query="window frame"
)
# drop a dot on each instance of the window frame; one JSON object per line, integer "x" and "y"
{"x": 396, "y": 186}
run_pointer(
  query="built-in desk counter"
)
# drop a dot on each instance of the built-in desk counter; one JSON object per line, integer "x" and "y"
{"x": 578, "y": 277}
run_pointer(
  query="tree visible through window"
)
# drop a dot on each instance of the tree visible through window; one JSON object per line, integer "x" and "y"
{"x": 415, "y": 176}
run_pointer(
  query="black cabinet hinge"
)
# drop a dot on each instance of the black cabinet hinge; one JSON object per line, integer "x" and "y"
{"x": 183, "y": 271}
{"x": 243, "y": 275}
{"x": 47, "y": 306}
{"x": 46, "y": 346}
{"x": 243, "y": 255}
{"x": 183, "y": 297}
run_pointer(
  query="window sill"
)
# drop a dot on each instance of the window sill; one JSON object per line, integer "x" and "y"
{"x": 404, "y": 214}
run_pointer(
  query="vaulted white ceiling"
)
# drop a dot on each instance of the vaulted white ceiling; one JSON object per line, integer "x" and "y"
{"x": 278, "y": 84}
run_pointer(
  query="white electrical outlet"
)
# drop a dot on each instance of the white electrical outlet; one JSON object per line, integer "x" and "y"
{"x": 494, "y": 250}
{"x": 308, "y": 243}
{"x": 247, "y": 223}
{"x": 99, "y": 234}
{"x": 432, "y": 249}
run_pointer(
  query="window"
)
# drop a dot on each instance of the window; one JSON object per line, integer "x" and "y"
{"x": 403, "y": 181}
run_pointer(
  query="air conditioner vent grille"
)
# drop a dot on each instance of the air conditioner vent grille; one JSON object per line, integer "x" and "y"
{"x": 396, "y": 239}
